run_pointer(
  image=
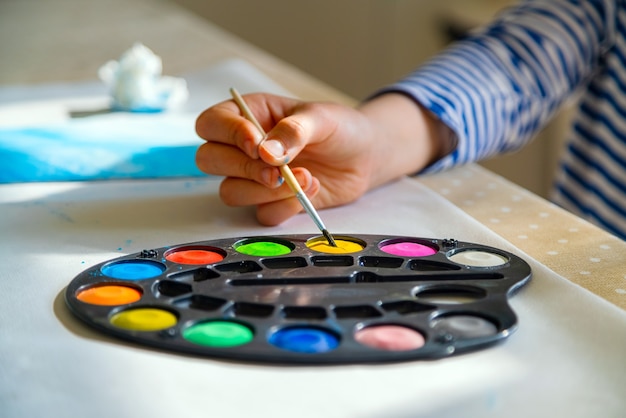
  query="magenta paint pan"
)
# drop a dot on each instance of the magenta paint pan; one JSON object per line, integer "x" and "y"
{"x": 292, "y": 299}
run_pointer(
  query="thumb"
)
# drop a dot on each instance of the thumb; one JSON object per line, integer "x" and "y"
{"x": 273, "y": 151}
{"x": 288, "y": 137}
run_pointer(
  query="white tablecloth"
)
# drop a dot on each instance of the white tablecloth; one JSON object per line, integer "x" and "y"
{"x": 566, "y": 359}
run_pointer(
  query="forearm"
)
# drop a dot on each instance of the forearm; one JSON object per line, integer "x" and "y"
{"x": 501, "y": 85}
{"x": 405, "y": 137}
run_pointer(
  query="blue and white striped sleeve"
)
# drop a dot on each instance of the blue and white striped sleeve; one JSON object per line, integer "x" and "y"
{"x": 498, "y": 87}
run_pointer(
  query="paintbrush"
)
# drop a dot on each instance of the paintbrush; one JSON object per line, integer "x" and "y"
{"x": 286, "y": 172}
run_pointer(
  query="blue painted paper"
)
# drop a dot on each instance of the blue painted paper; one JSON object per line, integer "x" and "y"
{"x": 104, "y": 147}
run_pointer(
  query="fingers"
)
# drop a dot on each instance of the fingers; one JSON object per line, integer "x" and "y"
{"x": 274, "y": 199}
{"x": 224, "y": 124}
{"x": 276, "y": 212}
{"x": 307, "y": 125}
{"x": 249, "y": 160}
{"x": 232, "y": 147}
{"x": 291, "y": 126}
{"x": 223, "y": 160}
{"x": 274, "y": 206}
{"x": 243, "y": 192}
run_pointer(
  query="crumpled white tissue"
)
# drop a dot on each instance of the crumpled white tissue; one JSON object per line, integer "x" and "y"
{"x": 136, "y": 84}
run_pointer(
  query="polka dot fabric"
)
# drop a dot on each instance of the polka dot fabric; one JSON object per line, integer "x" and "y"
{"x": 547, "y": 233}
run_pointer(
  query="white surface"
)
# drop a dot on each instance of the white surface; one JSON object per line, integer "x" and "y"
{"x": 566, "y": 359}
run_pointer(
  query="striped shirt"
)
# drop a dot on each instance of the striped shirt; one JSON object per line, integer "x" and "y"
{"x": 498, "y": 87}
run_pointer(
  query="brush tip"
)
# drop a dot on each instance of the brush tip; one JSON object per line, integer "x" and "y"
{"x": 329, "y": 238}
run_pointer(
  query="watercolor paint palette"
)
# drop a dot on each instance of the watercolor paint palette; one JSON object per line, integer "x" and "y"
{"x": 295, "y": 299}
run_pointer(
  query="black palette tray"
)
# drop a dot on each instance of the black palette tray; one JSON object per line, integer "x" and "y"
{"x": 294, "y": 299}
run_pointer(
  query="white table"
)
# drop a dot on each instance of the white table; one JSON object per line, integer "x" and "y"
{"x": 564, "y": 360}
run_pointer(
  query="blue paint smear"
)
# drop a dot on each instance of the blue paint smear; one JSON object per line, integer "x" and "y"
{"x": 99, "y": 149}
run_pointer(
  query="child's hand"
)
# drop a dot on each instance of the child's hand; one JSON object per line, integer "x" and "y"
{"x": 337, "y": 153}
{"x": 322, "y": 143}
